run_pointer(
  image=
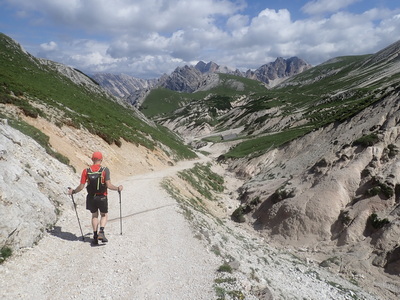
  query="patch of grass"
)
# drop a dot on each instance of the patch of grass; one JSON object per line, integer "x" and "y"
{"x": 229, "y": 280}
{"x": 225, "y": 268}
{"x": 257, "y": 146}
{"x": 5, "y": 252}
{"x": 203, "y": 180}
{"x": 39, "y": 137}
{"x": 366, "y": 140}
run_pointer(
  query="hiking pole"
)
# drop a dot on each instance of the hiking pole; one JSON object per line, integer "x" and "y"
{"x": 120, "y": 211}
{"x": 76, "y": 211}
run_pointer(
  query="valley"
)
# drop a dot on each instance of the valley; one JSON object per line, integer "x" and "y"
{"x": 252, "y": 186}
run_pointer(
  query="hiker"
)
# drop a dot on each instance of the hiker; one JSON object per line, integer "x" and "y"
{"x": 98, "y": 181}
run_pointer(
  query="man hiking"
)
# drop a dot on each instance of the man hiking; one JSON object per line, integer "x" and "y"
{"x": 98, "y": 181}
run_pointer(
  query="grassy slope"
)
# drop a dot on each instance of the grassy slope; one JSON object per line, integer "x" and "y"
{"x": 162, "y": 101}
{"x": 331, "y": 92}
{"x": 25, "y": 82}
{"x": 328, "y": 93}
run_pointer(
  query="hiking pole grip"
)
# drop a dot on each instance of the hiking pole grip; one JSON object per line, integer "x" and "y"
{"x": 76, "y": 212}
{"x": 120, "y": 211}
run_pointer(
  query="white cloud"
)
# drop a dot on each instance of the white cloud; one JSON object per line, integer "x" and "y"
{"x": 50, "y": 46}
{"x": 149, "y": 37}
{"x": 317, "y": 7}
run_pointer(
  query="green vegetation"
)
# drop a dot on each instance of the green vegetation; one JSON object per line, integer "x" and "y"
{"x": 257, "y": 146}
{"x": 376, "y": 222}
{"x": 329, "y": 93}
{"x": 392, "y": 151}
{"x": 380, "y": 188}
{"x": 332, "y": 92}
{"x": 167, "y": 103}
{"x": 203, "y": 180}
{"x": 39, "y": 137}
{"x": 225, "y": 268}
{"x": 31, "y": 86}
{"x": 238, "y": 214}
{"x": 5, "y": 252}
{"x": 366, "y": 140}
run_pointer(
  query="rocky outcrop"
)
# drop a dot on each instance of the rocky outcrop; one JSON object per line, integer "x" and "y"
{"x": 336, "y": 186}
{"x": 33, "y": 189}
{"x": 123, "y": 85}
{"x": 183, "y": 79}
{"x": 278, "y": 70}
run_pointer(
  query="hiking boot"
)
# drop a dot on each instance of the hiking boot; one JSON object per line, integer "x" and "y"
{"x": 95, "y": 241}
{"x": 102, "y": 237}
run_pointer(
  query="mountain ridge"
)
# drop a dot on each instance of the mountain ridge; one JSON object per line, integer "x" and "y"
{"x": 191, "y": 78}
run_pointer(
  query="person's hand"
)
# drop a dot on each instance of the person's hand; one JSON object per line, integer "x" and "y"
{"x": 70, "y": 191}
{"x": 120, "y": 188}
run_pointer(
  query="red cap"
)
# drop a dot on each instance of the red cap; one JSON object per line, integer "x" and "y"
{"x": 97, "y": 156}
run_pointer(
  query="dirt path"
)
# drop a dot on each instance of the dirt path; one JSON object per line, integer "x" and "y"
{"x": 156, "y": 257}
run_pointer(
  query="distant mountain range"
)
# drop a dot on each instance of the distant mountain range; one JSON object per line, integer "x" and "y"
{"x": 189, "y": 79}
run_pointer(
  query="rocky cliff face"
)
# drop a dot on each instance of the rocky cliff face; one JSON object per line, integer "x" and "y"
{"x": 182, "y": 79}
{"x": 123, "y": 85}
{"x": 33, "y": 189}
{"x": 330, "y": 189}
{"x": 279, "y": 70}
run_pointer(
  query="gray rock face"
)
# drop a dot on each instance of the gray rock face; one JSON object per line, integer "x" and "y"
{"x": 33, "y": 187}
{"x": 279, "y": 69}
{"x": 123, "y": 85}
{"x": 183, "y": 79}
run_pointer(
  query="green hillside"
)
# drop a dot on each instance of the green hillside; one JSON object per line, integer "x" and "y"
{"x": 31, "y": 85}
{"x": 328, "y": 93}
{"x": 164, "y": 102}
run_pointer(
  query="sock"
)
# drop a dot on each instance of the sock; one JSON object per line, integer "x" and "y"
{"x": 95, "y": 234}
{"x": 101, "y": 229}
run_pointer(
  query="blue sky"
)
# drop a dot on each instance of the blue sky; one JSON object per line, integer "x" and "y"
{"x": 147, "y": 38}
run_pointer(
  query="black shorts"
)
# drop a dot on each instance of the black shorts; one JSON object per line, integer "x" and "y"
{"x": 95, "y": 203}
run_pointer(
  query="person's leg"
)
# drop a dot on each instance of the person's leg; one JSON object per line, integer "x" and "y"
{"x": 95, "y": 221}
{"x": 95, "y": 224}
{"x": 103, "y": 220}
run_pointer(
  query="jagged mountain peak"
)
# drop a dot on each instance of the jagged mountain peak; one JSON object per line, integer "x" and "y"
{"x": 190, "y": 78}
{"x": 275, "y": 72}
{"x": 212, "y": 67}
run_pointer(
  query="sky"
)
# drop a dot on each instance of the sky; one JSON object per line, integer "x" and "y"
{"x": 149, "y": 38}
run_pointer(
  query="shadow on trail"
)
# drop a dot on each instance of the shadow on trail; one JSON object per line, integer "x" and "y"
{"x": 141, "y": 212}
{"x": 68, "y": 236}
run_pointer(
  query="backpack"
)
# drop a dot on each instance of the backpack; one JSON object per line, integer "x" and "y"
{"x": 96, "y": 182}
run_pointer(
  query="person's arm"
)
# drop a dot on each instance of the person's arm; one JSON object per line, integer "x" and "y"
{"x": 80, "y": 186}
{"x": 76, "y": 190}
{"x": 113, "y": 187}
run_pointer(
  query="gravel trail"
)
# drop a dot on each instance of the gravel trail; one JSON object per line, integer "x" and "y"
{"x": 156, "y": 257}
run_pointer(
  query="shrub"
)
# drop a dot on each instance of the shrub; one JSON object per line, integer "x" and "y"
{"x": 367, "y": 140}
{"x": 376, "y": 222}
{"x": 225, "y": 268}
{"x": 238, "y": 215}
{"x": 345, "y": 218}
{"x": 5, "y": 252}
{"x": 393, "y": 150}
{"x": 281, "y": 194}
